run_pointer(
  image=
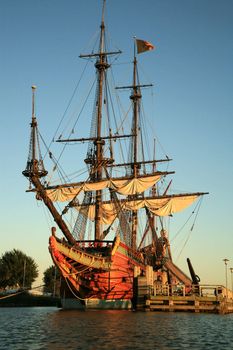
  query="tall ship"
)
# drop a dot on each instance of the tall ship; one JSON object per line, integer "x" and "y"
{"x": 110, "y": 216}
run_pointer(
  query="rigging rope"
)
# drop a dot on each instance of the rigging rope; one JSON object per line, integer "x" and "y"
{"x": 191, "y": 229}
{"x": 76, "y": 296}
{"x": 56, "y": 161}
{"x": 69, "y": 103}
{"x": 193, "y": 212}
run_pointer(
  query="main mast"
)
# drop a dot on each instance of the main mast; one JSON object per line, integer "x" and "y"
{"x": 101, "y": 66}
{"x": 97, "y": 160}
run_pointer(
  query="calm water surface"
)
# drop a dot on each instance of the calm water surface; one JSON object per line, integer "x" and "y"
{"x": 53, "y": 329}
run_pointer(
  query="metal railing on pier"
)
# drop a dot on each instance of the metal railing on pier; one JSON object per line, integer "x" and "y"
{"x": 183, "y": 290}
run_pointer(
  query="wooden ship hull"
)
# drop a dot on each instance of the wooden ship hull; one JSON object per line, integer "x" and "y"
{"x": 103, "y": 275}
{"x": 96, "y": 275}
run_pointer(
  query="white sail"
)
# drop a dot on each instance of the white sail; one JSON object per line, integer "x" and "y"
{"x": 158, "y": 206}
{"x": 166, "y": 207}
{"x": 122, "y": 186}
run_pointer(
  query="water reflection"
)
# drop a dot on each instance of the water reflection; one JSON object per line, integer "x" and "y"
{"x": 53, "y": 329}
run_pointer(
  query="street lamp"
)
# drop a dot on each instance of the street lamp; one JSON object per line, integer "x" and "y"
{"x": 226, "y": 261}
{"x": 231, "y": 269}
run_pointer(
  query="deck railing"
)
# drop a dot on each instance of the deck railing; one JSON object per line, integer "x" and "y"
{"x": 182, "y": 290}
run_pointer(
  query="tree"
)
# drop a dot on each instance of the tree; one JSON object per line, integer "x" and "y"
{"x": 52, "y": 280}
{"x": 17, "y": 270}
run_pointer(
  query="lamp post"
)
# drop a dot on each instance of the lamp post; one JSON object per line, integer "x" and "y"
{"x": 226, "y": 261}
{"x": 231, "y": 270}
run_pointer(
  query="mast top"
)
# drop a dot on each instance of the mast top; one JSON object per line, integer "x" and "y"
{"x": 35, "y": 165}
{"x": 33, "y": 101}
{"x": 103, "y": 9}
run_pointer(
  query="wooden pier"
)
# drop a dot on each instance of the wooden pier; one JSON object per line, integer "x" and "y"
{"x": 174, "y": 298}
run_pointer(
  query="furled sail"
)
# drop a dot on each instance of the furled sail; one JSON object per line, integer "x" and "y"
{"x": 121, "y": 186}
{"x": 158, "y": 206}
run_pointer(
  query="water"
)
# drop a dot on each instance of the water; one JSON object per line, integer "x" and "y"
{"x": 53, "y": 329}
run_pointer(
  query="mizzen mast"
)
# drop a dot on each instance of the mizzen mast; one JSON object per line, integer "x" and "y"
{"x": 136, "y": 99}
{"x": 135, "y": 162}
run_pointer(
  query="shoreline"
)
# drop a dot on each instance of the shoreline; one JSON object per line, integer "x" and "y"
{"x": 26, "y": 300}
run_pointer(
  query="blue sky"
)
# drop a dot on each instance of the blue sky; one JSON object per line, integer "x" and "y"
{"x": 192, "y": 69}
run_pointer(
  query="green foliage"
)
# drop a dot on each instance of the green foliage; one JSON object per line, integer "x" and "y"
{"x": 17, "y": 270}
{"x": 51, "y": 279}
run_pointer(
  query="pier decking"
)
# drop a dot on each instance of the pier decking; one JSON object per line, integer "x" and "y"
{"x": 197, "y": 298}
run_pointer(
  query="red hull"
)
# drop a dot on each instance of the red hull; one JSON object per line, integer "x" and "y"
{"x": 113, "y": 280}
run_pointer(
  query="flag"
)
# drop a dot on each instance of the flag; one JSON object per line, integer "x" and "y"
{"x": 143, "y": 46}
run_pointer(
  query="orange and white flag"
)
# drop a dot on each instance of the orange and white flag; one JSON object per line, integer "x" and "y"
{"x": 143, "y": 46}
